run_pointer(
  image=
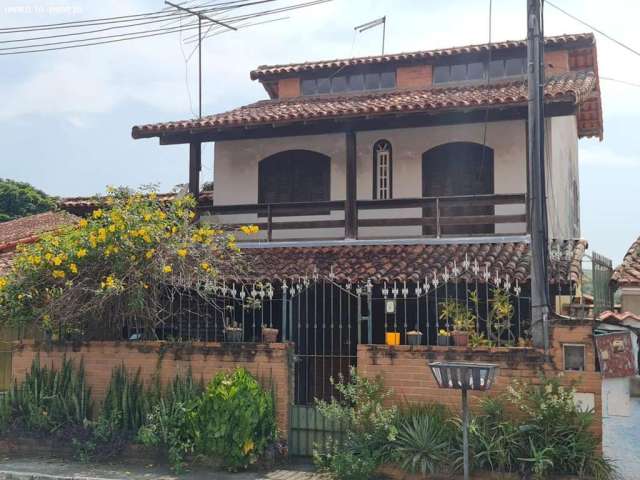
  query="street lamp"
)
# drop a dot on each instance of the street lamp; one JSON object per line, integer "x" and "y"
{"x": 464, "y": 376}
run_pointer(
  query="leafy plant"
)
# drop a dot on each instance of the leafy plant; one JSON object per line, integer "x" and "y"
{"x": 235, "y": 419}
{"x": 424, "y": 440}
{"x": 368, "y": 427}
{"x": 19, "y": 199}
{"x": 126, "y": 404}
{"x": 48, "y": 399}
{"x": 170, "y": 424}
{"x": 457, "y": 314}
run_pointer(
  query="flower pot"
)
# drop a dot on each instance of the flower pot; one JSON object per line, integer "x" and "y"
{"x": 460, "y": 339}
{"x": 414, "y": 337}
{"x": 443, "y": 340}
{"x": 270, "y": 335}
{"x": 392, "y": 338}
{"x": 233, "y": 334}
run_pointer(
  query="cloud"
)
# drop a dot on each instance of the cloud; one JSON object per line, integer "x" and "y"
{"x": 605, "y": 157}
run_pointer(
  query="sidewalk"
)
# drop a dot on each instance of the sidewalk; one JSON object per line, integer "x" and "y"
{"x": 45, "y": 469}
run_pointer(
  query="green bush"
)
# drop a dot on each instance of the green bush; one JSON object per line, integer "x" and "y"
{"x": 126, "y": 403}
{"x": 368, "y": 427}
{"x": 424, "y": 441}
{"x": 170, "y": 424}
{"x": 48, "y": 400}
{"x": 234, "y": 420}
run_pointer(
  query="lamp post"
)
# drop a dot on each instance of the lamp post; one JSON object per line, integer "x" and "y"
{"x": 464, "y": 376}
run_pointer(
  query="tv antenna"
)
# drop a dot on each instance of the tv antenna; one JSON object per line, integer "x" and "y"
{"x": 374, "y": 23}
{"x": 201, "y": 17}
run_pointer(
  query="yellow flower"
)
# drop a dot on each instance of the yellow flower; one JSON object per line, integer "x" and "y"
{"x": 248, "y": 446}
{"x": 182, "y": 252}
{"x": 150, "y": 253}
{"x": 112, "y": 228}
{"x": 153, "y": 196}
{"x": 3, "y": 282}
{"x": 97, "y": 213}
{"x": 205, "y": 266}
{"x": 109, "y": 282}
{"x": 81, "y": 253}
{"x": 147, "y": 217}
{"x": 83, "y": 223}
{"x": 57, "y": 260}
{"x": 250, "y": 229}
{"x": 161, "y": 215}
{"x": 192, "y": 215}
{"x": 167, "y": 269}
{"x": 73, "y": 268}
{"x": 58, "y": 274}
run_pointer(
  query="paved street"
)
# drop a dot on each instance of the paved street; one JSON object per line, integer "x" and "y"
{"x": 622, "y": 441}
{"x": 41, "y": 469}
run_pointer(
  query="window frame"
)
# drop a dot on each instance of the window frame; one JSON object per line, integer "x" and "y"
{"x": 564, "y": 357}
{"x": 375, "y": 188}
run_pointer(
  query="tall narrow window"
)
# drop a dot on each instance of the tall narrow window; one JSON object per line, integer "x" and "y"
{"x": 382, "y": 170}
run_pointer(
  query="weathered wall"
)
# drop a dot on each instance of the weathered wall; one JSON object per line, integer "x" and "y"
{"x": 631, "y": 299}
{"x": 270, "y": 363}
{"x": 236, "y": 167}
{"x": 405, "y": 369}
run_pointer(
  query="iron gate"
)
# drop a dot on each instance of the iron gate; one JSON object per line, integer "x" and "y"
{"x": 325, "y": 322}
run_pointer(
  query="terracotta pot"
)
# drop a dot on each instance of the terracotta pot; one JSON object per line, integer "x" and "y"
{"x": 414, "y": 337}
{"x": 233, "y": 334}
{"x": 270, "y": 335}
{"x": 460, "y": 339}
{"x": 443, "y": 340}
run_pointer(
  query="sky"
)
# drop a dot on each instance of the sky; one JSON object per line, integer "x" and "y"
{"x": 66, "y": 117}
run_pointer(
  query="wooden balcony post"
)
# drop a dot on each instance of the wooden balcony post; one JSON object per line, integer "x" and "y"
{"x": 195, "y": 165}
{"x": 269, "y": 223}
{"x": 350, "y": 207}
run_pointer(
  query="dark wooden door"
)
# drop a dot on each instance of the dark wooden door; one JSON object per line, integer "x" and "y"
{"x": 454, "y": 169}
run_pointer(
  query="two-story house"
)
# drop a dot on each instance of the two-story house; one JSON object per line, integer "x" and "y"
{"x": 387, "y": 185}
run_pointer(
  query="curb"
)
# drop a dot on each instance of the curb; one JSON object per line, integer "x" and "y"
{"x": 16, "y": 475}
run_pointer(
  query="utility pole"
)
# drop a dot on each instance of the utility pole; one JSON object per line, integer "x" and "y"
{"x": 537, "y": 193}
{"x": 200, "y": 18}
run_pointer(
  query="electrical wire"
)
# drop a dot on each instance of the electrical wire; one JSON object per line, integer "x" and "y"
{"x": 595, "y": 29}
{"x": 120, "y": 37}
{"x": 624, "y": 82}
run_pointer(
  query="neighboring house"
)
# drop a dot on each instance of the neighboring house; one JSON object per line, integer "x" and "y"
{"x": 20, "y": 232}
{"x": 626, "y": 277}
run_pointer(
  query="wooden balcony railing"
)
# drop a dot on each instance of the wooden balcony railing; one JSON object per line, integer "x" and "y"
{"x": 441, "y": 216}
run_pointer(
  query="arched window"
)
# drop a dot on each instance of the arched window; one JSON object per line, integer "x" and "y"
{"x": 382, "y": 170}
{"x": 453, "y": 169}
{"x": 294, "y": 176}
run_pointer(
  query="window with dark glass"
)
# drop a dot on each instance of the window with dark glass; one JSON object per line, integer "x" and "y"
{"x": 475, "y": 71}
{"x": 496, "y": 69}
{"x": 441, "y": 74}
{"x": 574, "y": 357}
{"x": 349, "y": 83}
{"x": 458, "y": 73}
{"x": 513, "y": 66}
{"x": 294, "y": 176}
{"x": 461, "y": 72}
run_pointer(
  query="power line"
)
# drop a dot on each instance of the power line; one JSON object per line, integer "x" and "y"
{"x": 624, "y": 82}
{"x": 146, "y": 33}
{"x": 623, "y": 45}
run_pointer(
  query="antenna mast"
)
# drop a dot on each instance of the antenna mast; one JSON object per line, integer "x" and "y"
{"x": 200, "y": 18}
{"x": 374, "y": 23}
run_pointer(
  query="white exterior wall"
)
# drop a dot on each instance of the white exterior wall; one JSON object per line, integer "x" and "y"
{"x": 562, "y": 177}
{"x": 236, "y": 169}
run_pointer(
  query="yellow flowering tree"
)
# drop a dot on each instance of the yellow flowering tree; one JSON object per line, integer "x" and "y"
{"x": 115, "y": 266}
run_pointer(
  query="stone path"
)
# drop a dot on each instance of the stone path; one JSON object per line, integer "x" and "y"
{"x": 44, "y": 469}
{"x": 622, "y": 441}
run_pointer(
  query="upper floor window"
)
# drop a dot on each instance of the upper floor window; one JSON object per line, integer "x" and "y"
{"x": 294, "y": 176}
{"x": 357, "y": 82}
{"x": 382, "y": 169}
{"x": 463, "y": 72}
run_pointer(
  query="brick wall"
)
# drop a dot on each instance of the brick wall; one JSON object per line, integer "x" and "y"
{"x": 556, "y": 62}
{"x": 270, "y": 363}
{"x": 405, "y": 369}
{"x": 289, "y": 87}
{"x": 417, "y": 76}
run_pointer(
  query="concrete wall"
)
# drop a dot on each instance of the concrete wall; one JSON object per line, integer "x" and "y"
{"x": 562, "y": 177}
{"x": 270, "y": 363}
{"x": 631, "y": 299}
{"x": 236, "y": 168}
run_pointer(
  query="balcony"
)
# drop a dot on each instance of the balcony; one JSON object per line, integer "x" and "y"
{"x": 434, "y": 217}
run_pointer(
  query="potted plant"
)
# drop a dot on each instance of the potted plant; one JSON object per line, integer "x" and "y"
{"x": 464, "y": 321}
{"x": 232, "y": 331}
{"x": 269, "y": 334}
{"x": 443, "y": 337}
{"x": 414, "y": 337}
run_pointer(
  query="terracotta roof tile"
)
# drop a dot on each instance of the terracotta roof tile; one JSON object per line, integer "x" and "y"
{"x": 267, "y": 71}
{"x": 573, "y": 86}
{"x": 33, "y": 225}
{"x": 609, "y": 316}
{"x": 628, "y": 273}
{"x": 408, "y": 262}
